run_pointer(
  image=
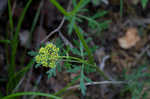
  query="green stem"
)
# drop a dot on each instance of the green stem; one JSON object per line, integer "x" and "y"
{"x": 13, "y": 81}
{"x": 10, "y": 16}
{"x": 14, "y": 42}
{"x": 80, "y": 36}
{"x": 74, "y": 58}
{"x": 30, "y": 93}
{"x": 91, "y": 58}
{"x": 5, "y": 41}
{"x": 77, "y": 7}
{"x": 121, "y": 8}
{"x": 59, "y": 7}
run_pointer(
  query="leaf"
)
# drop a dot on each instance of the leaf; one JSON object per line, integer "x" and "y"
{"x": 88, "y": 79}
{"x": 83, "y": 4}
{"x": 70, "y": 26}
{"x": 74, "y": 2}
{"x": 32, "y": 53}
{"x": 76, "y": 78}
{"x": 67, "y": 65}
{"x": 96, "y": 2}
{"x": 37, "y": 65}
{"x": 51, "y": 72}
{"x": 144, "y": 3}
{"x": 5, "y": 41}
{"x": 75, "y": 51}
{"x": 59, "y": 68}
{"x": 99, "y": 14}
{"x": 74, "y": 70}
{"x": 82, "y": 86}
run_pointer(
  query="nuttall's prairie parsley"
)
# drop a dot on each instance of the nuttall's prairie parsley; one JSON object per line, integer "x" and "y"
{"x": 48, "y": 56}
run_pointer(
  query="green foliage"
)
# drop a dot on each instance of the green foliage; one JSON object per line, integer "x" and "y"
{"x": 136, "y": 82}
{"x": 92, "y": 22}
{"x": 51, "y": 72}
{"x": 96, "y": 2}
{"x": 81, "y": 64}
{"x": 17, "y": 76}
{"x": 144, "y": 3}
{"x": 32, "y": 53}
{"x": 83, "y": 78}
{"x": 5, "y": 41}
{"x": 11, "y": 96}
{"x": 75, "y": 69}
{"x": 74, "y": 17}
{"x": 14, "y": 77}
{"x": 121, "y": 8}
{"x": 14, "y": 44}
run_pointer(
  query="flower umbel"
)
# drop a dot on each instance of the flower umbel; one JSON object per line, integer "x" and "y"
{"x": 48, "y": 56}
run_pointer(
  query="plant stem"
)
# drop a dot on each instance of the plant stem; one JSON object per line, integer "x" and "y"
{"x": 10, "y": 16}
{"x": 14, "y": 42}
{"x": 59, "y": 7}
{"x": 91, "y": 58}
{"x": 80, "y": 36}
{"x": 30, "y": 93}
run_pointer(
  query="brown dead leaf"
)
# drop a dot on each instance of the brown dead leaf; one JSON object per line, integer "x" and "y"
{"x": 130, "y": 39}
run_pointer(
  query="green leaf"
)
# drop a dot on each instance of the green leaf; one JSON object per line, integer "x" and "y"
{"x": 99, "y": 14}
{"x": 51, "y": 72}
{"x": 80, "y": 5}
{"x": 76, "y": 78}
{"x": 82, "y": 86}
{"x": 121, "y": 8}
{"x": 30, "y": 93}
{"x": 75, "y": 51}
{"x": 67, "y": 65}
{"x": 88, "y": 79}
{"x": 96, "y": 2}
{"x": 17, "y": 76}
{"x": 15, "y": 41}
{"x": 59, "y": 68}
{"x": 74, "y": 70}
{"x": 74, "y": 2}
{"x": 70, "y": 26}
{"x": 83, "y": 4}
{"x": 37, "y": 65}
{"x": 32, "y": 53}
{"x": 144, "y": 3}
{"x": 5, "y": 41}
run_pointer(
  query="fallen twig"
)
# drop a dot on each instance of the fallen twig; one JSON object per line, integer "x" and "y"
{"x": 97, "y": 83}
{"x": 66, "y": 41}
{"x": 59, "y": 27}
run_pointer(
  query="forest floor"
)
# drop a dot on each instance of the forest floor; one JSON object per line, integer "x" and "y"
{"x": 120, "y": 48}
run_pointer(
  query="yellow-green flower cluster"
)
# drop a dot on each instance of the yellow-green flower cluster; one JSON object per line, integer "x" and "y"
{"x": 48, "y": 56}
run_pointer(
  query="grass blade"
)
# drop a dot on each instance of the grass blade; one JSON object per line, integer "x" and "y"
{"x": 10, "y": 16}
{"x": 11, "y": 69}
{"x": 16, "y": 77}
{"x": 5, "y": 41}
{"x": 30, "y": 93}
